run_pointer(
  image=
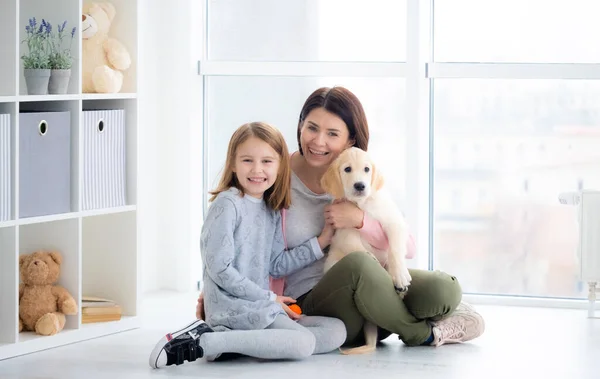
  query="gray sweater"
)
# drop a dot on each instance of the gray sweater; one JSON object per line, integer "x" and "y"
{"x": 304, "y": 220}
{"x": 241, "y": 245}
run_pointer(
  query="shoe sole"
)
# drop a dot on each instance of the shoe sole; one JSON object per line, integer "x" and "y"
{"x": 160, "y": 345}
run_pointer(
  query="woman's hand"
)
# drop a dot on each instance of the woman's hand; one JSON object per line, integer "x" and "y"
{"x": 200, "y": 307}
{"x": 284, "y": 301}
{"x": 343, "y": 214}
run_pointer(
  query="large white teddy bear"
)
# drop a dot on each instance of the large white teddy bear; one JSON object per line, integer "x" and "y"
{"x": 104, "y": 59}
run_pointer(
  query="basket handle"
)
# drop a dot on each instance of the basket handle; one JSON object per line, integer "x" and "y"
{"x": 43, "y": 127}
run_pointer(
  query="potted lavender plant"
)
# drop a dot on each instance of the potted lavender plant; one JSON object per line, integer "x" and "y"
{"x": 60, "y": 60}
{"x": 36, "y": 63}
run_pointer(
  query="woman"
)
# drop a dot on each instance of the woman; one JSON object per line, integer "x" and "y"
{"x": 358, "y": 287}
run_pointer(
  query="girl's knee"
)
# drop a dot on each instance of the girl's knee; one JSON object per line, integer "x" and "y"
{"x": 306, "y": 345}
{"x": 338, "y": 333}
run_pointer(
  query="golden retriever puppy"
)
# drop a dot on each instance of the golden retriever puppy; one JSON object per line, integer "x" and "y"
{"x": 355, "y": 177}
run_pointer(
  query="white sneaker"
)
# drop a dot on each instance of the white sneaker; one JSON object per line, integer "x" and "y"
{"x": 464, "y": 324}
{"x": 177, "y": 347}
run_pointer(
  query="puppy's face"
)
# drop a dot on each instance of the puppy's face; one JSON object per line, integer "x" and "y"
{"x": 352, "y": 176}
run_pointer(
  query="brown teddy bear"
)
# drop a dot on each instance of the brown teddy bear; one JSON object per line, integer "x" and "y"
{"x": 42, "y": 305}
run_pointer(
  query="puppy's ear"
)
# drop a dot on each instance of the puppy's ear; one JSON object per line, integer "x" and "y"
{"x": 376, "y": 179}
{"x": 332, "y": 182}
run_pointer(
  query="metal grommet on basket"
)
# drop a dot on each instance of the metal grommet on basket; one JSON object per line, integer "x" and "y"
{"x": 43, "y": 127}
{"x": 101, "y": 125}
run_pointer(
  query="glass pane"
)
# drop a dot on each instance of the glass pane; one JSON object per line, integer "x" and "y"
{"x": 504, "y": 150}
{"x": 560, "y": 31}
{"x": 307, "y": 30}
{"x": 233, "y": 101}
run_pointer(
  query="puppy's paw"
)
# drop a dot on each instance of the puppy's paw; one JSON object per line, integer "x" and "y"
{"x": 401, "y": 278}
{"x": 405, "y": 278}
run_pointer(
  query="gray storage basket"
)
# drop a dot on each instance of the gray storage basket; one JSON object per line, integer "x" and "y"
{"x": 45, "y": 163}
{"x": 104, "y": 159}
{"x": 5, "y": 168}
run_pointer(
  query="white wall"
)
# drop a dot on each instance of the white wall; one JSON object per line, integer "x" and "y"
{"x": 170, "y": 140}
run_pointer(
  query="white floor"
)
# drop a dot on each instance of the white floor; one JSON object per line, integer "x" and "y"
{"x": 536, "y": 342}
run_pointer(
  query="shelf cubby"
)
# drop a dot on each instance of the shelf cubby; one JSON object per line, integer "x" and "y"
{"x": 109, "y": 259}
{"x": 56, "y": 12}
{"x": 62, "y": 236}
{"x": 73, "y": 107}
{"x": 130, "y": 107}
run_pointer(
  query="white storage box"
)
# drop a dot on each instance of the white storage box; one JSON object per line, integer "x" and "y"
{"x": 104, "y": 159}
{"x": 5, "y": 168}
{"x": 44, "y": 163}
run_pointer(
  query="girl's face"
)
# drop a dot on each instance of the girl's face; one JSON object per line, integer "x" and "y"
{"x": 256, "y": 166}
{"x": 323, "y": 137}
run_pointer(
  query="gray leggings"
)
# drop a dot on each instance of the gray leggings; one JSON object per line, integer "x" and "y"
{"x": 283, "y": 339}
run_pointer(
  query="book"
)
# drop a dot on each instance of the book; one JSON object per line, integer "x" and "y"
{"x": 88, "y": 319}
{"x": 92, "y": 301}
{"x": 108, "y": 310}
{"x": 97, "y": 309}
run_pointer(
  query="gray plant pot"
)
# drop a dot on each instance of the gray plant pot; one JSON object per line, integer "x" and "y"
{"x": 59, "y": 81}
{"x": 37, "y": 80}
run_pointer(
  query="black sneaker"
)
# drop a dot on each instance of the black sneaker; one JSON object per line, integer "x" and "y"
{"x": 177, "y": 347}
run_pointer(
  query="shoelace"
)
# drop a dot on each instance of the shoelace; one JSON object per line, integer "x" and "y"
{"x": 451, "y": 331}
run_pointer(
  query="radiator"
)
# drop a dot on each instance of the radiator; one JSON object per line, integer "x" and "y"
{"x": 588, "y": 249}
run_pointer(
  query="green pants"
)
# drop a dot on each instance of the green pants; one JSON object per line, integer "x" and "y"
{"x": 358, "y": 288}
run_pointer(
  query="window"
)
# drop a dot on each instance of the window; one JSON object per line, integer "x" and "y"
{"x": 513, "y": 238}
{"x": 477, "y": 129}
{"x": 545, "y": 130}
{"x": 306, "y": 30}
{"x": 516, "y": 31}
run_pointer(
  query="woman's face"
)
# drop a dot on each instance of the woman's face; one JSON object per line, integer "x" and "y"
{"x": 323, "y": 137}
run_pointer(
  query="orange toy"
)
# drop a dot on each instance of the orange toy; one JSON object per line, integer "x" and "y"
{"x": 295, "y": 308}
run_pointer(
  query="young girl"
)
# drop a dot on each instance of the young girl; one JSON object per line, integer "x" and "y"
{"x": 242, "y": 245}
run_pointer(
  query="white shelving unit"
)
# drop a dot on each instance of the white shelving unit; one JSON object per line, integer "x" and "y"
{"x": 99, "y": 246}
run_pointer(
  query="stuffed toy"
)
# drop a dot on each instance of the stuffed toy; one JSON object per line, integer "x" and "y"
{"x": 43, "y": 305}
{"x": 103, "y": 58}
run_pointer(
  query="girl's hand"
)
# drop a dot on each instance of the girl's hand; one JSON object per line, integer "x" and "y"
{"x": 284, "y": 301}
{"x": 344, "y": 214}
{"x": 200, "y": 307}
{"x": 326, "y": 236}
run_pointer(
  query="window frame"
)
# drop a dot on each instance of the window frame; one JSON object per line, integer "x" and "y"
{"x": 419, "y": 71}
